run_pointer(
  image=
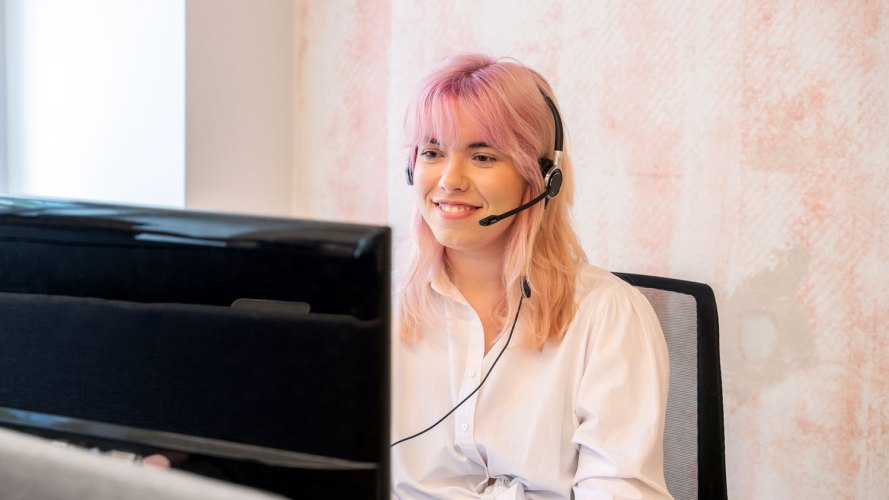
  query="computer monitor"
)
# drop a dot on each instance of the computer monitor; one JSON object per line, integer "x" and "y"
{"x": 253, "y": 349}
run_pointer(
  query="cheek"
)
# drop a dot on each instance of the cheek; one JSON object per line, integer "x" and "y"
{"x": 509, "y": 191}
{"x": 424, "y": 182}
{"x": 421, "y": 194}
{"x": 420, "y": 185}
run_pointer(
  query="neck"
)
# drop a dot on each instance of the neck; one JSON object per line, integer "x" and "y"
{"x": 479, "y": 279}
{"x": 476, "y": 271}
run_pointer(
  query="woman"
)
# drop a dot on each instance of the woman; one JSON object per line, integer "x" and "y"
{"x": 519, "y": 370}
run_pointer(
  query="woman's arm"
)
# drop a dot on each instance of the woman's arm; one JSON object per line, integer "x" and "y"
{"x": 622, "y": 401}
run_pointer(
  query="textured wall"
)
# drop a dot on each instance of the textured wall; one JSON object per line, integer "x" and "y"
{"x": 340, "y": 129}
{"x": 740, "y": 143}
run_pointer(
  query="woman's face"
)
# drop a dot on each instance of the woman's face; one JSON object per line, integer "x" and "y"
{"x": 459, "y": 184}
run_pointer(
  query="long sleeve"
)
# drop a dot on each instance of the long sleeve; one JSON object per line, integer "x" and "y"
{"x": 621, "y": 403}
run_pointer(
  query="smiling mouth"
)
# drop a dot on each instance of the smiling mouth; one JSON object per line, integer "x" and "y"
{"x": 450, "y": 208}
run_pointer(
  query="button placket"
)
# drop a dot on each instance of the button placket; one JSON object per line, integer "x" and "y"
{"x": 465, "y": 415}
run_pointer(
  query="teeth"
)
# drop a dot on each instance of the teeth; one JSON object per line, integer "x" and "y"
{"x": 454, "y": 209}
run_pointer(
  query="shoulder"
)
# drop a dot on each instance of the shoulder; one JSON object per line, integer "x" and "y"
{"x": 595, "y": 286}
{"x": 609, "y": 306}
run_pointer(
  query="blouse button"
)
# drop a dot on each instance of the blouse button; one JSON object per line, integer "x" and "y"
{"x": 471, "y": 373}
{"x": 464, "y": 427}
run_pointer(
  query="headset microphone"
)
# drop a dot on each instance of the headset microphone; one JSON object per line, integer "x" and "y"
{"x": 491, "y": 219}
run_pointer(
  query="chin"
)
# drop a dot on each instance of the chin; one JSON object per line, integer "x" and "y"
{"x": 453, "y": 241}
{"x": 450, "y": 242}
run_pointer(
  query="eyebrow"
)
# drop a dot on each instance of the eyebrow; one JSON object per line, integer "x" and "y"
{"x": 474, "y": 145}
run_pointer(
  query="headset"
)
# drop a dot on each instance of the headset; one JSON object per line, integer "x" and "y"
{"x": 551, "y": 169}
{"x": 552, "y": 180}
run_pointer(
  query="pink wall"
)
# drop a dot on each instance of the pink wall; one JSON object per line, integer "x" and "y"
{"x": 741, "y": 143}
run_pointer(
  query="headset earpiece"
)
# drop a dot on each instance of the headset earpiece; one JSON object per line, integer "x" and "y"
{"x": 409, "y": 168}
{"x": 552, "y": 169}
{"x": 552, "y": 177}
{"x": 553, "y": 181}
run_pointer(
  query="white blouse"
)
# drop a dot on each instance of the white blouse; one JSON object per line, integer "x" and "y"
{"x": 583, "y": 418}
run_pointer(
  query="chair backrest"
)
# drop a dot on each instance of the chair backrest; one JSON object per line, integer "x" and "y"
{"x": 694, "y": 440}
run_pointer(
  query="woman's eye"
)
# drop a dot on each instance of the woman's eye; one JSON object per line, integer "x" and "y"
{"x": 430, "y": 154}
{"x": 485, "y": 159}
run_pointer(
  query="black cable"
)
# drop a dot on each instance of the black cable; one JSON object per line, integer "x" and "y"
{"x": 446, "y": 415}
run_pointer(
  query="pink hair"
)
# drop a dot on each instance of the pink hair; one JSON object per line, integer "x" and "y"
{"x": 506, "y": 98}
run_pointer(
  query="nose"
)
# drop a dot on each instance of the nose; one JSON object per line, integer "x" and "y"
{"x": 453, "y": 176}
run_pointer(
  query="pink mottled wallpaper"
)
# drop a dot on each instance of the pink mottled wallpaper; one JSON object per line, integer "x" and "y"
{"x": 744, "y": 144}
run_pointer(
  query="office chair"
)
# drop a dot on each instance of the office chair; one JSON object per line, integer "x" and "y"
{"x": 694, "y": 441}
